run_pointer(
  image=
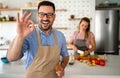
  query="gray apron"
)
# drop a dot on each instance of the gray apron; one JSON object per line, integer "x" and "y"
{"x": 80, "y": 44}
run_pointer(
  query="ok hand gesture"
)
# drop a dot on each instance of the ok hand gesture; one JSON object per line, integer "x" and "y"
{"x": 23, "y": 25}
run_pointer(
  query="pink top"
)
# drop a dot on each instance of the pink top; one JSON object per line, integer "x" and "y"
{"x": 77, "y": 35}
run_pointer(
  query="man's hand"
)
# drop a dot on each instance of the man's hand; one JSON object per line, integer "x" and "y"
{"x": 59, "y": 71}
{"x": 23, "y": 25}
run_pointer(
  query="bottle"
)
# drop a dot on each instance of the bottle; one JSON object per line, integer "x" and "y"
{"x": 7, "y": 17}
{"x": 72, "y": 59}
{"x": 1, "y": 5}
{"x": 105, "y": 57}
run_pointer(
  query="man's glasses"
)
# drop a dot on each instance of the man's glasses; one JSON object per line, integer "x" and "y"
{"x": 49, "y": 15}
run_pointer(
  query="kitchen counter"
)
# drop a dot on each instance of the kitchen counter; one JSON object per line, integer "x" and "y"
{"x": 111, "y": 70}
{"x": 78, "y": 70}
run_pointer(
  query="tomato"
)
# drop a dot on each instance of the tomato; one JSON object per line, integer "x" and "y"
{"x": 89, "y": 59}
{"x": 102, "y": 62}
{"x": 94, "y": 58}
{"x": 97, "y": 61}
{"x": 78, "y": 58}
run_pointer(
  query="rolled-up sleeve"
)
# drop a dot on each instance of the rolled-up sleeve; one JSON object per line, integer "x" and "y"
{"x": 24, "y": 48}
{"x": 64, "y": 51}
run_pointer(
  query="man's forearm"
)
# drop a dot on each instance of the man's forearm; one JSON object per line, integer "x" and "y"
{"x": 14, "y": 50}
{"x": 64, "y": 61}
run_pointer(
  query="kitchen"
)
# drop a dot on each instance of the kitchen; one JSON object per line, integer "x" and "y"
{"x": 67, "y": 26}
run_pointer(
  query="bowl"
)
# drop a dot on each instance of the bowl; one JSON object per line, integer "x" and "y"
{"x": 4, "y": 60}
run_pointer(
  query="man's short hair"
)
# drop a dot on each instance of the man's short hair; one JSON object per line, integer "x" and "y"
{"x": 46, "y": 3}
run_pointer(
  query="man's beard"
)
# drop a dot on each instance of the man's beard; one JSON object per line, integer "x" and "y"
{"x": 45, "y": 29}
{"x": 50, "y": 27}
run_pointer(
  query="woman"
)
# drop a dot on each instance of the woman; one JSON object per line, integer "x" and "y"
{"x": 83, "y": 39}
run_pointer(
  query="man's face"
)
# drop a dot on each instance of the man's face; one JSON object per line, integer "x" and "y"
{"x": 46, "y": 17}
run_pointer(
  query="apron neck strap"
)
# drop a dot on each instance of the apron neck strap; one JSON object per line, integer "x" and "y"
{"x": 38, "y": 36}
{"x": 39, "y": 40}
{"x": 55, "y": 38}
{"x": 77, "y": 35}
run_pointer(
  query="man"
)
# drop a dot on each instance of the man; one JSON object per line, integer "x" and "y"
{"x": 42, "y": 45}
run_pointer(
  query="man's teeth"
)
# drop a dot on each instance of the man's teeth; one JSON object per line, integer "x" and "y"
{"x": 45, "y": 22}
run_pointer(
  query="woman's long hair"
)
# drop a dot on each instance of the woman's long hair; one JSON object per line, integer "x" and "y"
{"x": 88, "y": 28}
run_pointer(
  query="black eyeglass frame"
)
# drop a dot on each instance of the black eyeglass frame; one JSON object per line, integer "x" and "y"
{"x": 49, "y": 15}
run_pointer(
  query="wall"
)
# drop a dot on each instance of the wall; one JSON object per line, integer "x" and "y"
{"x": 16, "y": 3}
{"x": 79, "y": 8}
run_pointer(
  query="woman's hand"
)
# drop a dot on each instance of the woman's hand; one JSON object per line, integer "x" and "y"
{"x": 74, "y": 48}
{"x": 87, "y": 52}
{"x": 23, "y": 25}
{"x": 59, "y": 71}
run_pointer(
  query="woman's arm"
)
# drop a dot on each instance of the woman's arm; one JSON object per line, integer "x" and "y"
{"x": 93, "y": 46}
{"x": 70, "y": 44}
